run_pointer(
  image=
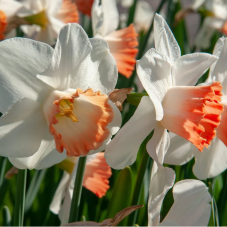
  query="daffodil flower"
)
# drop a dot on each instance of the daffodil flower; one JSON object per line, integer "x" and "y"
{"x": 96, "y": 176}
{"x": 47, "y": 17}
{"x": 191, "y": 205}
{"x": 56, "y": 99}
{"x": 122, "y": 43}
{"x": 216, "y": 20}
{"x": 8, "y": 9}
{"x": 173, "y": 103}
{"x": 213, "y": 160}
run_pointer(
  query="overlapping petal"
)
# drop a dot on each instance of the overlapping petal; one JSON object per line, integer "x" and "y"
{"x": 165, "y": 42}
{"x": 191, "y": 205}
{"x": 20, "y": 80}
{"x": 189, "y": 68}
{"x": 122, "y": 150}
{"x": 180, "y": 151}
{"x": 154, "y": 71}
{"x": 158, "y": 144}
{"x": 160, "y": 184}
{"x": 105, "y": 17}
{"x": 45, "y": 156}
{"x": 98, "y": 70}
{"x": 72, "y": 47}
{"x": 22, "y": 129}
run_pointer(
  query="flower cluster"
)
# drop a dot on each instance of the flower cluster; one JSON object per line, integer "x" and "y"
{"x": 56, "y": 98}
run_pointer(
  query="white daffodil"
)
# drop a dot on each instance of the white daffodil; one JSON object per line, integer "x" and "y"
{"x": 191, "y": 205}
{"x": 122, "y": 43}
{"x": 96, "y": 176}
{"x": 173, "y": 103}
{"x": 56, "y": 99}
{"x": 213, "y": 160}
{"x": 216, "y": 20}
{"x": 47, "y": 17}
{"x": 8, "y": 9}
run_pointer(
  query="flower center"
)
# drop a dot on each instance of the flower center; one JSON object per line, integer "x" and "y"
{"x": 38, "y": 19}
{"x": 66, "y": 109}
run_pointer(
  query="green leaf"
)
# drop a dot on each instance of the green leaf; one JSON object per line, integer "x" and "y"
{"x": 122, "y": 194}
{"x": 134, "y": 98}
{"x": 6, "y": 216}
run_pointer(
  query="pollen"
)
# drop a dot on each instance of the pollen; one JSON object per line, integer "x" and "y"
{"x": 66, "y": 109}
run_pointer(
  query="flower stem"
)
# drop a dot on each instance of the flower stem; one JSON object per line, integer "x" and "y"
{"x": 139, "y": 180}
{"x": 132, "y": 13}
{"x": 20, "y": 198}
{"x": 73, "y": 217}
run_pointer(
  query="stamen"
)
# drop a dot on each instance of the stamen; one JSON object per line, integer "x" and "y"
{"x": 66, "y": 108}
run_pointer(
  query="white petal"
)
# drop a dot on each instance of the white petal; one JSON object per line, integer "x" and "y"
{"x": 158, "y": 144}
{"x": 98, "y": 71}
{"x": 71, "y": 49}
{"x": 191, "y": 204}
{"x": 154, "y": 71}
{"x": 122, "y": 150}
{"x": 56, "y": 26}
{"x": 179, "y": 152}
{"x": 217, "y": 52}
{"x": 189, "y": 68}
{"x": 45, "y": 157}
{"x": 45, "y": 35}
{"x": 205, "y": 34}
{"x": 10, "y": 7}
{"x": 219, "y": 70}
{"x": 22, "y": 129}
{"x": 59, "y": 195}
{"x": 165, "y": 42}
{"x": 212, "y": 161}
{"x": 21, "y": 60}
{"x": 197, "y": 4}
{"x": 160, "y": 184}
{"x": 105, "y": 17}
{"x": 53, "y": 6}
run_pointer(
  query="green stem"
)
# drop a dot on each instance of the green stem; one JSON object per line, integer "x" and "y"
{"x": 144, "y": 44}
{"x": 3, "y": 162}
{"x": 139, "y": 180}
{"x": 20, "y": 198}
{"x": 132, "y": 13}
{"x": 73, "y": 217}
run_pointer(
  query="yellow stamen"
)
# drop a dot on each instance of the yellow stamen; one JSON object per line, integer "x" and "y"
{"x": 38, "y": 19}
{"x": 66, "y": 108}
{"x": 67, "y": 164}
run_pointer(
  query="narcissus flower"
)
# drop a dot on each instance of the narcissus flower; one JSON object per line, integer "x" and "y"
{"x": 47, "y": 17}
{"x": 96, "y": 176}
{"x": 8, "y": 9}
{"x": 213, "y": 160}
{"x": 64, "y": 107}
{"x": 122, "y": 43}
{"x": 215, "y": 20}
{"x": 191, "y": 205}
{"x": 173, "y": 103}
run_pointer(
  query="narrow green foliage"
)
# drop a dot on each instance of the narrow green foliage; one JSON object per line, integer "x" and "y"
{"x": 73, "y": 217}
{"x": 6, "y": 216}
{"x": 33, "y": 188}
{"x": 139, "y": 179}
{"x": 132, "y": 13}
{"x": 121, "y": 195}
{"x": 135, "y": 98}
{"x": 18, "y": 218}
